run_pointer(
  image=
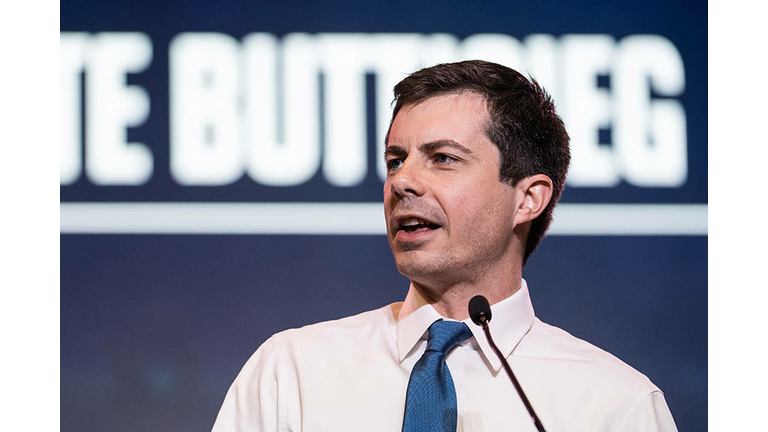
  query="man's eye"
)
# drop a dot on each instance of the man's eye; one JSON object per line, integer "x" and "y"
{"x": 394, "y": 163}
{"x": 443, "y": 158}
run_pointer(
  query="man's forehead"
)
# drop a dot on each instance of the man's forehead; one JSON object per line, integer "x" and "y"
{"x": 466, "y": 111}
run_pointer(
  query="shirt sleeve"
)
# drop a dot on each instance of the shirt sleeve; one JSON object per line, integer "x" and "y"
{"x": 652, "y": 415}
{"x": 252, "y": 402}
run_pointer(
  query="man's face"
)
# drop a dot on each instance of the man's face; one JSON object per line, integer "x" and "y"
{"x": 449, "y": 218}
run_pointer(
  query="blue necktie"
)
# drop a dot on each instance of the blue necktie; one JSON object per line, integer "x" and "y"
{"x": 430, "y": 404}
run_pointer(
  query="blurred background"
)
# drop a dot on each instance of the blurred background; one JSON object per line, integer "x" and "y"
{"x": 221, "y": 178}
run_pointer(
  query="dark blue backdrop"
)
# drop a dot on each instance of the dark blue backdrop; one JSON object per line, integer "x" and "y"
{"x": 154, "y": 328}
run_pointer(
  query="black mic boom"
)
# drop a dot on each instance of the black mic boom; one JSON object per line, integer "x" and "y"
{"x": 480, "y": 312}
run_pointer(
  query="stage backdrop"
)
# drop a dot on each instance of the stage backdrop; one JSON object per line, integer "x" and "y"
{"x": 221, "y": 179}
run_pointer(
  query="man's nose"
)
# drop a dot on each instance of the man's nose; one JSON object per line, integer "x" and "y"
{"x": 408, "y": 180}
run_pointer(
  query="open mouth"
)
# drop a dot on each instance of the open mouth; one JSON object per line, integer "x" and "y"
{"x": 415, "y": 224}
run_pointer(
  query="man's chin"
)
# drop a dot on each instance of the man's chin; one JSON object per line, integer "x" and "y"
{"x": 417, "y": 265}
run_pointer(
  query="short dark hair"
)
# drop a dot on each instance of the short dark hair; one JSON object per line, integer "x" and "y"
{"x": 523, "y": 124}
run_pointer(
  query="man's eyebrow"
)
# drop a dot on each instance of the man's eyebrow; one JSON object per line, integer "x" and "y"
{"x": 429, "y": 147}
{"x": 395, "y": 151}
{"x": 435, "y": 145}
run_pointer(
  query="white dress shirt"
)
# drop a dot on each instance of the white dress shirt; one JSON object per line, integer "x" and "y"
{"x": 351, "y": 375}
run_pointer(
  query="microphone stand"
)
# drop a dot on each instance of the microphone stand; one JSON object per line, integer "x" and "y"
{"x": 531, "y": 412}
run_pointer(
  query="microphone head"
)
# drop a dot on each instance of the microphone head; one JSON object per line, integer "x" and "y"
{"x": 479, "y": 308}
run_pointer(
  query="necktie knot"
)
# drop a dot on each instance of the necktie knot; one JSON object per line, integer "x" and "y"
{"x": 444, "y": 335}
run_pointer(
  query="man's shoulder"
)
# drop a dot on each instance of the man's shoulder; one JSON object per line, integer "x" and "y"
{"x": 586, "y": 383}
{"x": 342, "y": 332}
{"x": 545, "y": 341}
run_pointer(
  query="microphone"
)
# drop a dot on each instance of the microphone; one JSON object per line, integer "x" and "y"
{"x": 480, "y": 312}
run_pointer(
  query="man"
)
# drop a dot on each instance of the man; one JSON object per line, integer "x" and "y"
{"x": 476, "y": 160}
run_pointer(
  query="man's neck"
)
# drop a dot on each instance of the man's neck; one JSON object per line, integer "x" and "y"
{"x": 451, "y": 301}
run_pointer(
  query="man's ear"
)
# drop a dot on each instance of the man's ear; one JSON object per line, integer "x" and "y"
{"x": 534, "y": 192}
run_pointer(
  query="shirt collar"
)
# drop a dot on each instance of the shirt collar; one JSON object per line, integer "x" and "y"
{"x": 511, "y": 319}
{"x": 416, "y": 315}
